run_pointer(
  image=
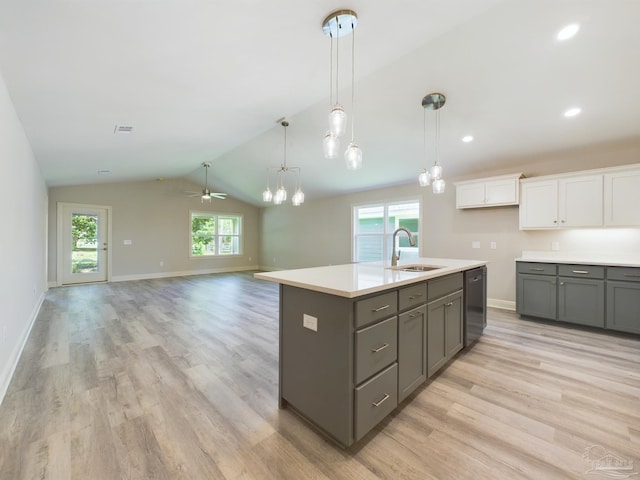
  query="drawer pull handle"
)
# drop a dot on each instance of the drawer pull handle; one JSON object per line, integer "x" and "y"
{"x": 584, "y": 272}
{"x": 537, "y": 269}
{"x": 384, "y": 307}
{"x": 414, "y": 315}
{"x": 418, "y": 295}
{"x": 631, "y": 275}
{"x": 380, "y": 348}
{"x": 380, "y": 402}
{"x": 449, "y": 304}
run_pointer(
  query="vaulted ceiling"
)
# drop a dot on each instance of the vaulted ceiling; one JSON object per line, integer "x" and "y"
{"x": 207, "y": 81}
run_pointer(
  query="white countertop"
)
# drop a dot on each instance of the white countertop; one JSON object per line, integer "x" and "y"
{"x": 356, "y": 279}
{"x": 620, "y": 259}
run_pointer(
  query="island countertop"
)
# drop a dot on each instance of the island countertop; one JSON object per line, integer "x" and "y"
{"x": 356, "y": 279}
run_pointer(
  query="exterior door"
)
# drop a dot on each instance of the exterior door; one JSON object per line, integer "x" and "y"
{"x": 83, "y": 233}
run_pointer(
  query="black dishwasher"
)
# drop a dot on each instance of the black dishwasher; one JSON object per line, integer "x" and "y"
{"x": 475, "y": 304}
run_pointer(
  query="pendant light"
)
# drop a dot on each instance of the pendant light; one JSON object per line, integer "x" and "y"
{"x": 433, "y": 176}
{"x": 336, "y": 25}
{"x": 280, "y": 195}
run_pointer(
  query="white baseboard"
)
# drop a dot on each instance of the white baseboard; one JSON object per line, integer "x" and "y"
{"x": 502, "y": 304}
{"x": 147, "y": 276}
{"x": 10, "y": 367}
{"x": 269, "y": 269}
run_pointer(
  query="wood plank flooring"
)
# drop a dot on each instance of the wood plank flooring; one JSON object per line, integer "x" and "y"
{"x": 177, "y": 379}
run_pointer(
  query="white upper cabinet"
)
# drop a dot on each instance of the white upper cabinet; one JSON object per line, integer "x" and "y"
{"x": 566, "y": 202}
{"x": 488, "y": 192}
{"x": 622, "y": 199}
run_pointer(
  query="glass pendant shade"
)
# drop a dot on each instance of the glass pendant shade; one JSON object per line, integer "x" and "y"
{"x": 337, "y": 121}
{"x": 353, "y": 156}
{"x": 438, "y": 186}
{"x": 330, "y": 145}
{"x": 298, "y": 198}
{"x": 424, "y": 179}
{"x": 280, "y": 196}
{"x": 267, "y": 196}
{"x": 436, "y": 172}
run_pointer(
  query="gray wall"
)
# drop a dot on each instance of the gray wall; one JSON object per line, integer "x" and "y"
{"x": 155, "y": 216}
{"x": 22, "y": 243}
{"x": 319, "y": 232}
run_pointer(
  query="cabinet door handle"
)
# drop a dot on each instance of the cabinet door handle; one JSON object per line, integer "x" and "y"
{"x": 379, "y": 309}
{"x": 417, "y": 295}
{"x": 381, "y": 401}
{"x": 562, "y": 284}
{"x": 555, "y": 221}
{"x": 380, "y": 348}
{"x": 448, "y": 304}
{"x": 475, "y": 279}
{"x": 537, "y": 269}
{"x": 584, "y": 272}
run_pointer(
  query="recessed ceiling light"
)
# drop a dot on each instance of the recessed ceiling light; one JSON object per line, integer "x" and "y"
{"x": 568, "y": 32}
{"x": 572, "y": 112}
{"x": 467, "y": 138}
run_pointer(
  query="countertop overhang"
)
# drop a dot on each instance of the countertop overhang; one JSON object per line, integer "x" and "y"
{"x": 357, "y": 279}
{"x": 606, "y": 259}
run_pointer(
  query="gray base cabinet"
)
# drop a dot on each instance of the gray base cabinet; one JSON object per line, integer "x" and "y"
{"x": 623, "y": 299}
{"x": 346, "y": 363}
{"x": 592, "y": 295}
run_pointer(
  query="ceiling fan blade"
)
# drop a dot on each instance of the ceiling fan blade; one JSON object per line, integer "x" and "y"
{"x": 219, "y": 195}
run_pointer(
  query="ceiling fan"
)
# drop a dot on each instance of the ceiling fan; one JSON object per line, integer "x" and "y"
{"x": 207, "y": 194}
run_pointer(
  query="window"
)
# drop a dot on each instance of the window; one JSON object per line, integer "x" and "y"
{"x": 215, "y": 234}
{"x": 373, "y": 227}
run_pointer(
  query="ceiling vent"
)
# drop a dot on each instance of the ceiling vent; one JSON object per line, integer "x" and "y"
{"x": 123, "y": 129}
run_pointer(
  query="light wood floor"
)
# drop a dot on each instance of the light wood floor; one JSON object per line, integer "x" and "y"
{"x": 177, "y": 379}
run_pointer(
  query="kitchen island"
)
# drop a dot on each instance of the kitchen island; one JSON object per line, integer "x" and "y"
{"x": 357, "y": 339}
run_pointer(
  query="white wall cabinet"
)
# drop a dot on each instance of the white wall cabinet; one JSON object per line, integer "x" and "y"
{"x": 488, "y": 192}
{"x": 574, "y": 201}
{"x": 622, "y": 198}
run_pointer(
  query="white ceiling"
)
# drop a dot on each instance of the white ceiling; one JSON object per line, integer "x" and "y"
{"x": 208, "y": 80}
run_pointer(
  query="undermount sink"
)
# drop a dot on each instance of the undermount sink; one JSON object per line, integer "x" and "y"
{"x": 417, "y": 268}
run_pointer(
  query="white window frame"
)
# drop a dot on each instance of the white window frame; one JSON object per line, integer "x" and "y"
{"x": 386, "y": 254}
{"x": 216, "y": 235}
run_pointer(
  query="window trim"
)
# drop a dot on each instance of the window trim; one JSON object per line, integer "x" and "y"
{"x": 240, "y": 234}
{"x": 385, "y": 204}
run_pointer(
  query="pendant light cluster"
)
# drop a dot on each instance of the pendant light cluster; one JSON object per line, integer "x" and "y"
{"x": 339, "y": 24}
{"x": 433, "y": 176}
{"x": 280, "y": 194}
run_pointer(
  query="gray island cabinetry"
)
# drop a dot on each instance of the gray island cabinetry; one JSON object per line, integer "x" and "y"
{"x": 349, "y": 357}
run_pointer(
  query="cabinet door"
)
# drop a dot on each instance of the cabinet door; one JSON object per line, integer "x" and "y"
{"x": 580, "y": 201}
{"x": 621, "y": 199}
{"x": 501, "y": 192}
{"x": 536, "y": 295}
{"x": 470, "y": 195}
{"x": 539, "y": 204}
{"x": 436, "y": 345}
{"x": 623, "y": 306}
{"x": 412, "y": 349}
{"x": 581, "y": 301}
{"x": 453, "y": 326}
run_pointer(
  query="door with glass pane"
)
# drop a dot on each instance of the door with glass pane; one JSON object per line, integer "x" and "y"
{"x": 82, "y": 248}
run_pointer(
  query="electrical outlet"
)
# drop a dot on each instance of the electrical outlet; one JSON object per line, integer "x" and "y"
{"x": 555, "y": 246}
{"x": 162, "y": 263}
{"x": 475, "y": 244}
{"x": 310, "y": 322}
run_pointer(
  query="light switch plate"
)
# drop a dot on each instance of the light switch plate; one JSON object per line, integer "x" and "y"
{"x": 475, "y": 244}
{"x": 310, "y": 322}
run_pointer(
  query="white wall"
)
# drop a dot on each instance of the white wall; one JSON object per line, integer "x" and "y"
{"x": 319, "y": 232}
{"x": 155, "y": 216}
{"x": 22, "y": 242}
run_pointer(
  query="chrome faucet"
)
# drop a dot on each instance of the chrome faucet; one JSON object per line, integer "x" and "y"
{"x": 412, "y": 242}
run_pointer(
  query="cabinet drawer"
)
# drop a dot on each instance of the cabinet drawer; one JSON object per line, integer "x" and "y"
{"x": 412, "y": 296}
{"x": 442, "y": 286}
{"x": 376, "y": 308}
{"x": 375, "y": 399}
{"x": 581, "y": 271}
{"x": 376, "y": 347}
{"x": 625, "y": 274}
{"x": 536, "y": 268}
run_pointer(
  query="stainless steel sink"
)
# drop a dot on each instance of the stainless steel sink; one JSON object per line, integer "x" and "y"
{"x": 418, "y": 268}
